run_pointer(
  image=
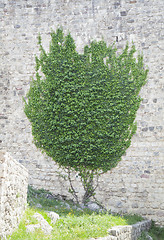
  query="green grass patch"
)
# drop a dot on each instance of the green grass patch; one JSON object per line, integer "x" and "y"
{"x": 156, "y": 232}
{"x": 70, "y": 226}
{"x": 74, "y": 223}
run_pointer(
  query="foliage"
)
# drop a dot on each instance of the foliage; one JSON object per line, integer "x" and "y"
{"x": 82, "y": 109}
{"x": 156, "y": 232}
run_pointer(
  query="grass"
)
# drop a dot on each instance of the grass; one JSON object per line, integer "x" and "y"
{"x": 157, "y": 233}
{"x": 71, "y": 227}
{"x": 74, "y": 223}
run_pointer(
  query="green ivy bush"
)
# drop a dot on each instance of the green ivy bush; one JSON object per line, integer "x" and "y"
{"x": 83, "y": 107}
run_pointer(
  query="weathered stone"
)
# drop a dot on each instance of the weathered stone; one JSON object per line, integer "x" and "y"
{"x": 44, "y": 225}
{"x": 154, "y": 100}
{"x": 54, "y": 217}
{"x": 148, "y": 237}
{"x": 123, "y": 13}
{"x": 144, "y": 129}
{"x": 134, "y": 205}
{"x": 67, "y": 206}
{"x": 38, "y": 205}
{"x": 156, "y": 153}
{"x": 32, "y": 227}
{"x": 119, "y": 204}
{"x": 13, "y": 193}
{"x": 123, "y": 190}
{"x": 130, "y": 21}
{"x": 130, "y": 232}
{"x": 145, "y": 100}
{"x": 144, "y": 176}
{"x": 3, "y": 117}
{"x": 159, "y": 128}
{"x": 2, "y": 5}
{"x": 133, "y": 1}
{"x": 17, "y": 26}
{"x": 93, "y": 206}
{"x": 147, "y": 171}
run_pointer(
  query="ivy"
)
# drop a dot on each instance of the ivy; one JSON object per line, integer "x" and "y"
{"x": 83, "y": 107}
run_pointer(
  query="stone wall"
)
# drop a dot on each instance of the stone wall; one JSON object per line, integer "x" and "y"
{"x": 128, "y": 232}
{"x": 13, "y": 193}
{"x": 137, "y": 183}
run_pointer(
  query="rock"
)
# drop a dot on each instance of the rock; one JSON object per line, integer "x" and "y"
{"x": 93, "y": 206}
{"x": 44, "y": 225}
{"x": 67, "y": 205}
{"x": 58, "y": 197}
{"x": 49, "y": 196}
{"x": 134, "y": 205}
{"x": 119, "y": 204}
{"x": 32, "y": 227}
{"x": 148, "y": 237}
{"x": 54, "y": 217}
{"x": 38, "y": 205}
{"x": 82, "y": 206}
{"x": 77, "y": 208}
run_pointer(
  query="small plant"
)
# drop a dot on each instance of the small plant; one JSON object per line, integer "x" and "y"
{"x": 156, "y": 232}
{"x": 82, "y": 107}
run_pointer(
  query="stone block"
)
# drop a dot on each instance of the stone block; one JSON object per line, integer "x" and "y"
{"x": 13, "y": 193}
{"x": 130, "y": 232}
